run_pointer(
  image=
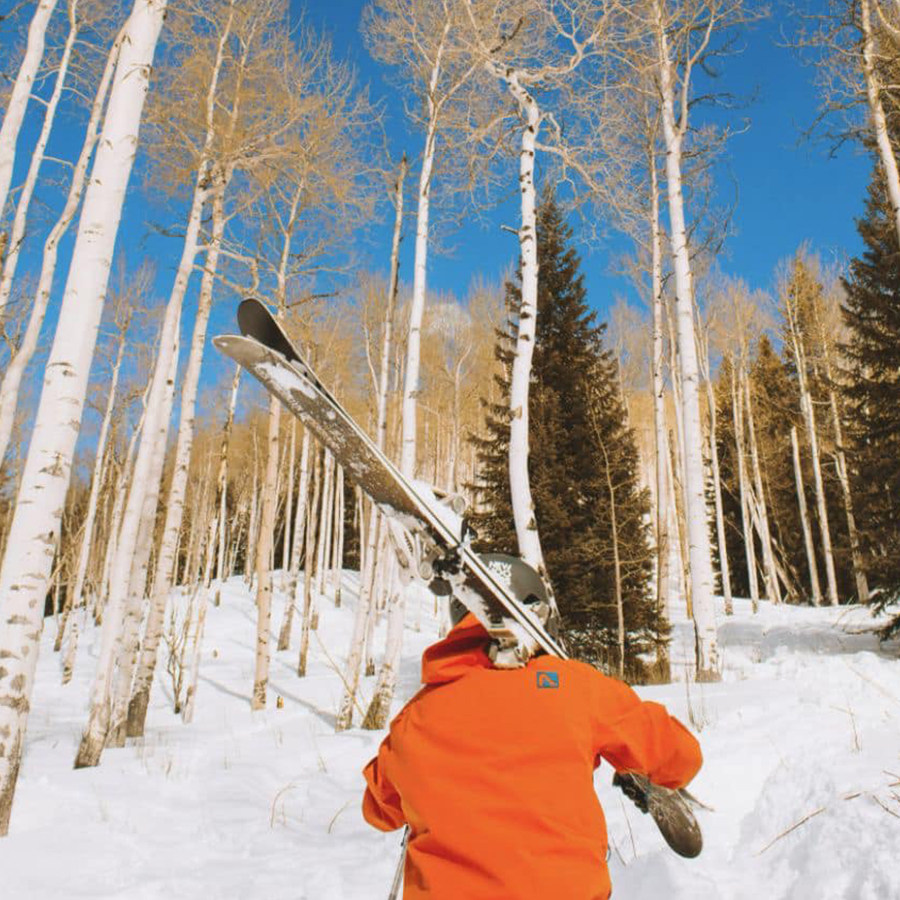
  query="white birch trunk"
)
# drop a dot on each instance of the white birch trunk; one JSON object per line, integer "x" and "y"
{"x": 824, "y": 530}
{"x": 290, "y": 600}
{"x": 252, "y": 524}
{"x": 190, "y": 697}
{"x": 121, "y": 495}
{"x": 417, "y": 307}
{"x": 378, "y": 560}
{"x": 323, "y": 554}
{"x": 288, "y": 504}
{"x": 263, "y": 561}
{"x": 337, "y": 562}
{"x": 223, "y": 479}
{"x": 737, "y": 407}
{"x": 520, "y": 487}
{"x": 717, "y": 481}
{"x": 876, "y": 110}
{"x": 166, "y": 558}
{"x": 157, "y": 410}
{"x": 17, "y": 233}
{"x": 675, "y": 463}
{"x": 127, "y": 645}
{"x": 765, "y": 536}
{"x": 809, "y": 418}
{"x": 364, "y": 611}
{"x": 45, "y": 479}
{"x": 804, "y": 521}
{"x": 74, "y": 598}
{"x": 21, "y": 93}
{"x": 379, "y": 710}
{"x": 12, "y": 377}
{"x": 708, "y": 663}
{"x": 309, "y": 567}
{"x": 157, "y": 415}
{"x": 663, "y": 588}
{"x": 859, "y": 570}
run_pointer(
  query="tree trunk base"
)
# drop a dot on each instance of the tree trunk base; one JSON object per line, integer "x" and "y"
{"x": 376, "y": 715}
{"x": 89, "y": 752}
{"x": 137, "y": 714}
{"x": 9, "y": 789}
{"x": 707, "y": 676}
{"x": 259, "y": 696}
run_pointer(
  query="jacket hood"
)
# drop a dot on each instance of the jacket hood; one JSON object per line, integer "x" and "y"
{"x": 464, "y": 649}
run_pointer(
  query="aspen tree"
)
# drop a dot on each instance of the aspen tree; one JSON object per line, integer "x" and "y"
{"x": 874, "y": 88}
{"x": 703, "y": 347}
{"x": 804, "y": 520}
{"x": 737, "y": 404}
{"x": 337, "y": 562}
{"x": 263, "y": 551}
{"x": 765, "y": 536}
{"x": 15, "y": 369}
{"x": 190, "y": 697}
{"x": 531, "y": 50}
{"x": 825, "y": 330}
{"x": 421, "y": 38}
{"x": 683, "y": 31}
{"x": 291, "y": 592}
{"x": 167, "y": 555}
{"x": 127, "y": 646}
{"x": 125, "y": 303}
{"x": 25, "y": 572}
{"x": 379, "y": 709}
{"x": 288, "y": 503}
{"x": 149, "y": 462}
{"x": 364, "y": 611}
{"x": 224, "y": 149}
{"x": 795, "y": 290}
{"x": 17, "y": 231}
{"x": 222, "y": 480}
{"x": 21, "y": 93}
{"x": 121, "y": 615}
{"x": 312, "y": 521}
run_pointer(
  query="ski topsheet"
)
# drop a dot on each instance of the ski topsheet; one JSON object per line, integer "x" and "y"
{"x": 269, "y": 355}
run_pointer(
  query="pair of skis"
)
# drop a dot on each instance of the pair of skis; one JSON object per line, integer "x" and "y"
{"x": 428, "y": 534}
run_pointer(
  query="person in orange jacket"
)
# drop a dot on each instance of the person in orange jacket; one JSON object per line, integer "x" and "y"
{"x": 492, "y": 770}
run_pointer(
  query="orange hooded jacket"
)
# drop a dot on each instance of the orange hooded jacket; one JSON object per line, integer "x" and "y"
{"x": 493, "y": 771}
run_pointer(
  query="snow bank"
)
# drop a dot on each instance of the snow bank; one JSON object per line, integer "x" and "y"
{"x": 801, "y": 739}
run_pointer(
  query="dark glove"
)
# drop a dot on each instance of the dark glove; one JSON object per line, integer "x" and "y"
{"x": 633, "y": 787}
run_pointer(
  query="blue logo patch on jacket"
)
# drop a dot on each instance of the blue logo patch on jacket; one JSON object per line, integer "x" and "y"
{"x": 548, "y": 679}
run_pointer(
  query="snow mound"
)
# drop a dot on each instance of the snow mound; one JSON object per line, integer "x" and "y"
{"x": 802, "y": 766}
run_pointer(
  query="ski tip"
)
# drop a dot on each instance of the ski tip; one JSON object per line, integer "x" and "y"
{"x": 241, "y": 349}
{"x": 248, "y": 313}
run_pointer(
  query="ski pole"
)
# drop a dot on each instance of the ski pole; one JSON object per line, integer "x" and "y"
{"x": 398, "y": 875}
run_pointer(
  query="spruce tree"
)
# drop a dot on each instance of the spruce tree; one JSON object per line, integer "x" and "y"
{"x": 872, "y": 394}
{"x": 576, "y": 413}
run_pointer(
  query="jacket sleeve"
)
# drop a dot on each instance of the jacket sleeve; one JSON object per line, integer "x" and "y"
{"x": 634, "y": 735}
{"x": 381, "y": 803}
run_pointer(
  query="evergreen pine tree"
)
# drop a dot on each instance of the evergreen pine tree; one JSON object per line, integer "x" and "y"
{"x": 872, "y": 394}
{"x": 580, "y": 444}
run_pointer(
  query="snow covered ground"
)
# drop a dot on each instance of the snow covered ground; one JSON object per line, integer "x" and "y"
{"x": 803, "y": 732}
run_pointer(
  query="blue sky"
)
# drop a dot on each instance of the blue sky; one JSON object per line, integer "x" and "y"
{"x": 787, "y": 190}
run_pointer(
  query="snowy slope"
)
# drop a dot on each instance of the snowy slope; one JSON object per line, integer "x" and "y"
{"x": 266, "y": 806}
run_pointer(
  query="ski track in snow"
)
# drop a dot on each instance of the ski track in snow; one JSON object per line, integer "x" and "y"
{"x": 806, "y": 722}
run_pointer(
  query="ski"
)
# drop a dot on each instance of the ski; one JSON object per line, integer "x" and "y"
{"x": 270, "y": 356}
